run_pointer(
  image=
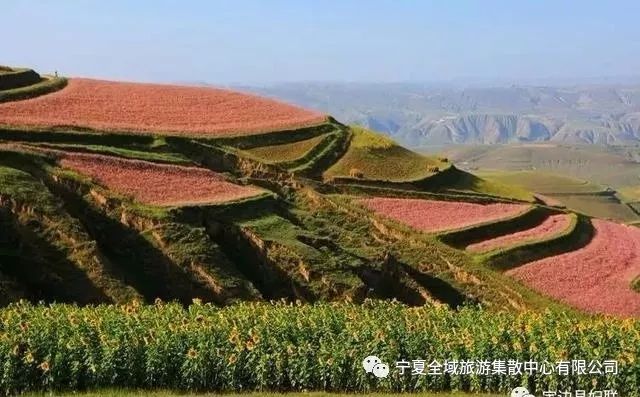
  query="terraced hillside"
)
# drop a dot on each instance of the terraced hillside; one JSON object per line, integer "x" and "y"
{"x": 268, "y": 203}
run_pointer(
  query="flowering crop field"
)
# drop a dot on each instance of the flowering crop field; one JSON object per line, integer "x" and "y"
{"x": 157, "y": 184}
{"x": 596, "y": 278}
{"x": 551, "y": 226}
{"x": 436, "y": 216}
{"x": 282, "y": 347}
{"x": 158, "y": 109}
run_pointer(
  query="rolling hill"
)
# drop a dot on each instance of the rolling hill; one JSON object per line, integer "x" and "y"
{"x": 174, "y": 201}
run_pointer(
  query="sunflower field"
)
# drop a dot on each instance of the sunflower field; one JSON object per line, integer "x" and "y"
{"x": 294, "y": 347}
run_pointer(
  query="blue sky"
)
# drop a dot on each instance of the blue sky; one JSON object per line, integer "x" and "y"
{"x": 250, "y": 41}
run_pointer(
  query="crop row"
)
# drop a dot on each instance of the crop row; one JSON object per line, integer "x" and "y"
{"x": 299, "y": 347}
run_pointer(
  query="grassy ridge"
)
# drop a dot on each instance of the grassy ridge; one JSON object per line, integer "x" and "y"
{"x": 380, "y": 158}
{"x": 361, "y": 189}
{"x": 46, "y": 86}
{"x": 542, "y": 182}
{"x": 297, "y": 347}
{"x": 127, "y": 153}
{"x": 576, "y": 236}
{"x": 476, "y": 233}
{"x": 606, "y": 206}
{"x": 286, "y": 152}
{"x": 17, "y": 78}
{"x": 286, "y": 248}
{"x": 324, "y": 155}
{"x": 245, "y": 142}
{"x": 576, "y": 194}
{"x": 65, "y": 136}
{"x": 607, "y": 165}
{"x": 458, "y": 181}
{"x": 308, "y": 157}
{"x": 447, "y": 181}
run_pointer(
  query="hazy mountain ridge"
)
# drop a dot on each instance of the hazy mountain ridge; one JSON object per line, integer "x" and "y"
{"x": 419, "y": 114}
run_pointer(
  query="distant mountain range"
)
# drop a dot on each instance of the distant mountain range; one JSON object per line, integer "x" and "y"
{"x": 420, "y": 115}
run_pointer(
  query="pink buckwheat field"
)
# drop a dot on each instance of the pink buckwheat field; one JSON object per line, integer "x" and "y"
{"x": 436, "y": 216}
{"x": 157, "y": 184}
{"x": 596, "y": 278}
{"x": 154, "y": 108}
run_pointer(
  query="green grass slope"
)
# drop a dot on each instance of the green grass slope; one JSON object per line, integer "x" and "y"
{"x": 376, "y": 161}
{"x": 601, "y": 206}
{"x": 129, "y": 152}
{"x": 464, "y": 182}
{"x": 380, "y": 158}
{"x": 285, "y": 152}
{"x": 563, "y": 169}
{"x": 577, "y": 194}
{"x": 614, "y": 166}
{"x": 541, "y": 181}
